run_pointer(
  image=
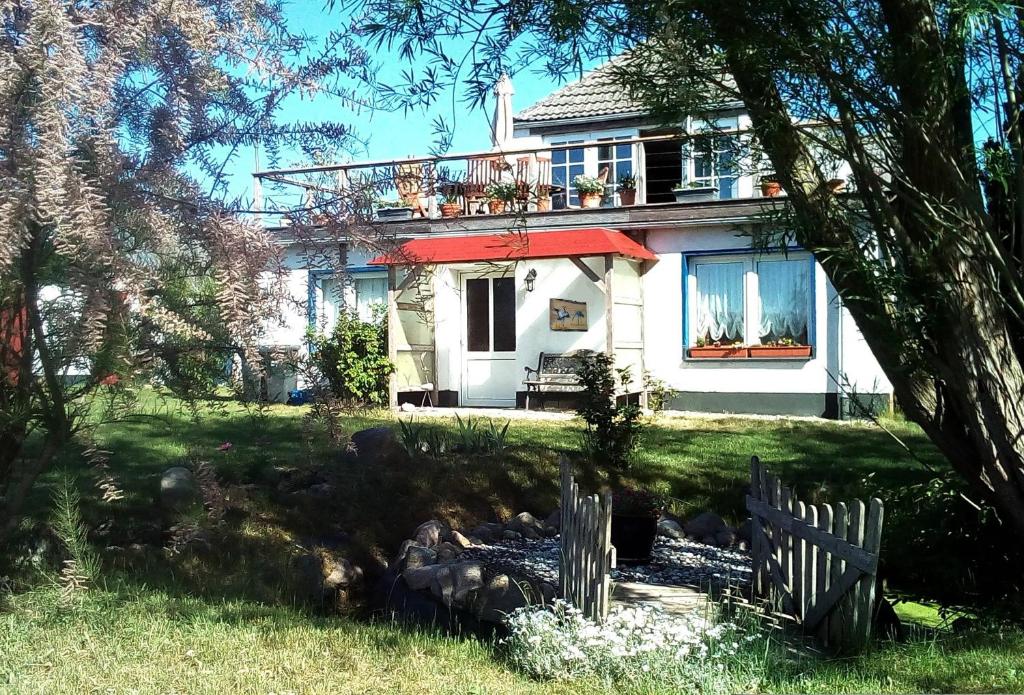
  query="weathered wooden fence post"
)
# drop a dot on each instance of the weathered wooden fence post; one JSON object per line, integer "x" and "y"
{"x": 587, "y": 555}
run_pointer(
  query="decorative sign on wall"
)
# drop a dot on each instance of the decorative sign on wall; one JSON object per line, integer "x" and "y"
{"x": 567, "y": 315}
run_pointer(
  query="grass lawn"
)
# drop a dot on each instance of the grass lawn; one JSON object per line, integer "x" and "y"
{"x": 226, "y": 621}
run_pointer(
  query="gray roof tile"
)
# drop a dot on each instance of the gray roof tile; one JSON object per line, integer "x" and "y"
{"x": 595, "y": 94}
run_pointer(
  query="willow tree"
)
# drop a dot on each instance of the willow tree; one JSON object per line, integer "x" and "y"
{"x": 120, "y": 256}
{"x": 922, "y": 98}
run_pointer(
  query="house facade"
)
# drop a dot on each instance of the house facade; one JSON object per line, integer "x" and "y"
{"x": 669, "y": 281}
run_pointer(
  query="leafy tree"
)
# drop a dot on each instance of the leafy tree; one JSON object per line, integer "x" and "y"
{"x": 613, "y": 429}
{"x": 120, "y": 255}
{"x": 927, "y": 256}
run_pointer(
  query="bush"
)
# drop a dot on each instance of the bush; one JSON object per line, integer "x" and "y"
{"x": 637, "y": 647}
{"x": 613, "y": 430}
{"x": 354, "y": 358}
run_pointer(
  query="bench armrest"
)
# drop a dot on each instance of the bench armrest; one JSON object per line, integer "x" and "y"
{"x": 531, "y": 370}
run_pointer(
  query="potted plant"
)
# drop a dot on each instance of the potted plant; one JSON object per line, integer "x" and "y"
{"x": 627, "y": 189}
{"x": 591, "y": 190}
{"x": 543, "y": 202}
{"x": 388, "y": 210}
{"x": 635, "y": 515}
{"x": 450, "y": 206}
{"x": 694, "y": 192}
{"x": 770, "y": 186}
{"x": 500, "y": 196}
{"x": 783, "y": 347}
{"x": 705, "y": 348}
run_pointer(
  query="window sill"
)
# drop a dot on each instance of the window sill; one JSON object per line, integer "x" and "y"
{"x": 745, "y": 360}
{"x": 802, "y": 353}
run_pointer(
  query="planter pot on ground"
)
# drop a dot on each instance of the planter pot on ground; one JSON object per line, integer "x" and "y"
{"x": 695, "y": 195}
{"x": 388, "y": 214}
{"x": 633, "y": 536}
{"x": 780, "y": 350}
{"x": 451, "y": 210}
{"x": 627, "y": 197}
{"x": 712, "y": 351}
{"x": 590, "y": 200}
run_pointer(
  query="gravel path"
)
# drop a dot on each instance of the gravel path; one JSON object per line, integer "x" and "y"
{"x": 673, "y": 562}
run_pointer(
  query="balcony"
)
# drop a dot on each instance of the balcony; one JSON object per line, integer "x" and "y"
{"x": 534, "y": 187}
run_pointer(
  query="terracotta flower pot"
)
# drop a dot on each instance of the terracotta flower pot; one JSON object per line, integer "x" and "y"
{"x": 627, "y": 196}
{"x": 544, "y": 204}
{"x": 496, "y": 207}
{"x": 780, "y": 350}
{"x": 713, "y": 351}
{"x": 451, "y": 210}
{"x": 590, "y": 200}
{"x": 770, "y": 189}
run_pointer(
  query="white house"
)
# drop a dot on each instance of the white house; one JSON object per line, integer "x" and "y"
{"x": 672, "y": 287}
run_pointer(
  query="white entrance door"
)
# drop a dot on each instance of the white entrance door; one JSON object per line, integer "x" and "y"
{"x": 489, "y": 341}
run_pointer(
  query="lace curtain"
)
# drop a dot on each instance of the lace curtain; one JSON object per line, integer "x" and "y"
{"x": 370, "y": 291}
{"x": 720, "y": 301}
{"x": 784, "y": 288}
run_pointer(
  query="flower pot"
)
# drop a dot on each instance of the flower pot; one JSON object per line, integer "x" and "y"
{"x": 633, "y": 536}
{"x": 544, "y": 204}
{"x": 391, "y": 214}
{"x": 770, "y": 189}
{"x": 496, "y": 207}
{"x": 780, "y": 350}
{"x": 591, "y": 200}
{"x": 702, "y": 194}
{"x": 717, "y": 351}
{"x": 451, "y": 210}
{"x": 627, "y": 196}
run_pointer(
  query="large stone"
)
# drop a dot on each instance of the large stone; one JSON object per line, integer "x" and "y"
{"x": 376, "y": 444}
{"x": 466, "y": 577}
{"x": 725, "y": 538}
{"x": 499, "y": 597}
{"x": 527, "y": 525}
{"x": 447, "y": 552}
{"x": 670, "y": 529}
{"x": 461, "y": 541}
{"x": 554, "y": 520}
{"x": 418, "y": 578}
{"x": 178, "y": 488}
{"x": 341, "y": 573}
{"x": 487, "y": 532}
{"x": 416, "y": 556}
{"x": 704, "y": 525}
{"x": 430, "y": 533}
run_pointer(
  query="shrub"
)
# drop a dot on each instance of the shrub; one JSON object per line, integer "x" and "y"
{"x": 613, "y": 430}
{"x": 636, "y": 647}
{"x": 354, "y": 358}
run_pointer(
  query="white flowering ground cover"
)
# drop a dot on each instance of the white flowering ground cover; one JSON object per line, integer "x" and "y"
{"x": 638, "y": 647}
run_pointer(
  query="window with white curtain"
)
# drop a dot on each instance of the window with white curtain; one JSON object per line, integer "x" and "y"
{"x": 359, "y": 292}
{"x": 369, "y": 292}
{"x": 754, "y": 300}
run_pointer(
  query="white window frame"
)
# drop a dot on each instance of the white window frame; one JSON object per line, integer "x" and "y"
{"x": 590, "y": 163}
{"x": 723, "y": 127}
{"x": 751, "y": 294}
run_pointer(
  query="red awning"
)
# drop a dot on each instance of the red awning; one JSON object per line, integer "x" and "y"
{"x": 515, "y": 246}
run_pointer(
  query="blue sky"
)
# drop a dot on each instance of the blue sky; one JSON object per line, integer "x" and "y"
{"x": 389, "y": 134}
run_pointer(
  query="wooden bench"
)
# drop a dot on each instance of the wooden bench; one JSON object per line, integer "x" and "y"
{"x": 555, "y": 373}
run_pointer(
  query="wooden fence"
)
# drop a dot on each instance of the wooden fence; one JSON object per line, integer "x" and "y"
{"x": 819, "y": 564}
{"x": 587, "y": 553}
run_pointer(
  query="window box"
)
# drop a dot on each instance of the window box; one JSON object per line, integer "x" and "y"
{"x": 394, "y": 213}
{"x": 701, "y": 194}
{"x": 770, "y": 351}
{"x": 717, "y": 352}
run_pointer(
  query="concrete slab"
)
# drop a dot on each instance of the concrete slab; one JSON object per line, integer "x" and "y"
{"x": 677, "y": 600}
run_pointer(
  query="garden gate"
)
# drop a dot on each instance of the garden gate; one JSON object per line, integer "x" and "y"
{"x": 819, "y": 564}
{"x": 587, "y": 554}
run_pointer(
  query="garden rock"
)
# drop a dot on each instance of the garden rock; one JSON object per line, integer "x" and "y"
{"x": 412, "y": 556}
{"x": 447, "y": 552}
{"x": 704, "y": 525}
{"x": 461, "y": 541}
{"x": 418, "y": 578}
{"x": 177, "y": 488}
{"x": 510, "y": 535}
{"x": 500, "y": 597}
{"x": 527, "y": 525}
{"x": 430, "y": 533}
{"x": 341, "y": 573}
{"x": 408, "y": 407}
{"x": 309, "y": 578}
{"x": 725, "y": 538}
{"x": 375, "y": 444}
{"x": 487, "y": 532}
{"x": 670, "y": 529}
{"x": 554, "y": 520}
{"x": 466, "y": 577}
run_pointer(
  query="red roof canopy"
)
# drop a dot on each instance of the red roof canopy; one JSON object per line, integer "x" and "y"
{"x": 514, "y": 246}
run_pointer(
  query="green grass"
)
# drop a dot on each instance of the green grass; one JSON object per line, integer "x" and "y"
{"x": 227, "y": 621}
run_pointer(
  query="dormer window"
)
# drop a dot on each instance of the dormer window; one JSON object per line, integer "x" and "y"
{"x": 711, "y": 157}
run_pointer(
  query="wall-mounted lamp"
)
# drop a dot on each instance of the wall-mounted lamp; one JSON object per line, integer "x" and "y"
{"x": 530, "y": 277}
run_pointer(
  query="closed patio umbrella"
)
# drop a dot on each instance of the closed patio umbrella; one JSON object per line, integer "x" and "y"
{"x": 501, "y": 125}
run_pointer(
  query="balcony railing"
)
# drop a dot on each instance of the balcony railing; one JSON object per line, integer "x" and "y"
{"x": 665, "y": 168}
